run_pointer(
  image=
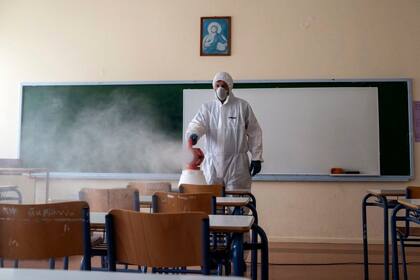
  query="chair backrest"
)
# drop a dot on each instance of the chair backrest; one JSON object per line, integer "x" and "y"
{"x": 157, "y": 240}
{"x": 163, "y": 202}
{"x": 149, "y": 188}
{"x": 103, "y": 200}
{"x": 216, "y": 190}
{"x": 42, "y": 231}
{"x": 413, "y": 192}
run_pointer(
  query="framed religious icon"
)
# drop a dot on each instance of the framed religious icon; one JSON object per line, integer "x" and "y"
{"x": 215, "y": 38}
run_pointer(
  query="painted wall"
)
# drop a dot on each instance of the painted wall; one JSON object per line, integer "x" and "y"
{"x": 105, "y": 40}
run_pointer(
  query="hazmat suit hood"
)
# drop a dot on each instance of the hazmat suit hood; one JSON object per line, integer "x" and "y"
{"x": 223, "y": 76}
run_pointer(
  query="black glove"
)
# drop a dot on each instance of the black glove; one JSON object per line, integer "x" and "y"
{"x": 194, "y": 138}
{"x": 255, "y": 167}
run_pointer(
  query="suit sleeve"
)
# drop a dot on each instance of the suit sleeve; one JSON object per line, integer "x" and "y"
{"x": 198, "y": 124}
{"x": 254, "y": 134}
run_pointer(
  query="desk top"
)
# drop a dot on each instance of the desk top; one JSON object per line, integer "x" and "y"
{"x": 220, "y": 201}
{"x": 387, "y": 192}
{"x": 410, "y": 203}
{"x": 232, "y": 201}
{"x": 230, "y": 223}
{"x": 30, "y": 274}
{"x": 219, "y": 223}
{"x": 22, "y": 170}
{"x": 238, "y": 191}
{"x": 146, "y": 200}
{"x": 8, "y": 187}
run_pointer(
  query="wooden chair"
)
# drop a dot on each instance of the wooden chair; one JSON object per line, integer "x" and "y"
{"x": 149, "y": 188}
{"x": 163, "y": 202}
{"x": 216, "y": 190}
{"x": 203, "y": 202}
{"x": 45, "y": 231}
{"x": 413, "y": 192}
{"x": 407, "y": 233}
{"x": 103, "y": 200}
{"x": 158, "y": 240}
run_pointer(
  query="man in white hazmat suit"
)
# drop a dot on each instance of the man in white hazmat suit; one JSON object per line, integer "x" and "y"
{"x": 231, "y": 131}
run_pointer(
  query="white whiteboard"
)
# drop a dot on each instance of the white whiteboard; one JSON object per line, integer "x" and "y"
{"x": 309, "y": 130}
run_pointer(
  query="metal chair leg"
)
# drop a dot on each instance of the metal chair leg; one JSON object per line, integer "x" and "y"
{"x": 254, "y": 254}
{"x": 403, "y": 257}
{"x": 104, "y": 263}
{"x": 228, "y": 268}
{"x": 220, "y": 269}
{"x": 365, "y": 237}
{"x": 237, "y": 254}
{"x": 66, "y": 263}
{"x": 264, "y": 253}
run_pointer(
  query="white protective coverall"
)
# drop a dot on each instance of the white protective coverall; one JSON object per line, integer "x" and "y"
{"x": 231, "y": 130}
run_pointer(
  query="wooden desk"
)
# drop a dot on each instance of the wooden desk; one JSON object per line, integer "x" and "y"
{"x": 238, "y": 192}
{"x": 387, "y": 192}
{"x": 413, "y": 204}
{"x": 220, "y": 201}
{"x": 4, "y": 190}
{"x": 412, "y": 215}
{"x": 218, "y": 223}
{"x": 230, "y": 223}
{"x": 382, "y": 201}
{"x": 44, "y": 274}
{"x": 229, "y": 201}
{"x": 30, "y": 171}
{"x": 146, "y": 200}
{"x": 237, "y": 202}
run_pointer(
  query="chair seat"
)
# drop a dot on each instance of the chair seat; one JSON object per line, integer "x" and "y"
{"x": 413, "y": 231}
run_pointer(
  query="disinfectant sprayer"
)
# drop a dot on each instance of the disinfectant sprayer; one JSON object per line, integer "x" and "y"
{"x": 192, "y": 174}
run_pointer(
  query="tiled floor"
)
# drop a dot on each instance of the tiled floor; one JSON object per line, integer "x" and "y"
{"x": 331, "y": 261}
{"x": 309, "y": 261}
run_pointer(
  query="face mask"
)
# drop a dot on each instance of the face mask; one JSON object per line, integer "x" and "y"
{"x": 221, "y": 93}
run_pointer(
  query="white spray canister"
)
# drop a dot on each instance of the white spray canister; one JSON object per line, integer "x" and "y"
{"x": 192, "y": 174}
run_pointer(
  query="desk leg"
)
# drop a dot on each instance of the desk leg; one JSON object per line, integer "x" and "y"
{"x": 47, "y": 186}
{"x": 238, "y": 254}
{"x": 365, "y": 237}
{"x": 254, "y": 240}
{"x": 34, "y": 197}
{"x": 253, "y": 200}
{"x": 19, "y": 194}
{"x": 236, "y": 211}
{"x": 395, "y": 267}
{"x": 254, "y": 212}
{"x": 384, "y": 201}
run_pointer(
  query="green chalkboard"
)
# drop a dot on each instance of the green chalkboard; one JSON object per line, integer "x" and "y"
{"x": 129, "y": 128}
{"x": 101, "y": 128}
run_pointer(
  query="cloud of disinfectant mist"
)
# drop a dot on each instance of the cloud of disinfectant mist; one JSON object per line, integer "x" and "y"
{"x": 105, "y": 140}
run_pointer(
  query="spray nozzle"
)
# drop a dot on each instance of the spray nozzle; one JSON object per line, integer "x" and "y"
{"x": 198, "y": 157}
{"x": 190, "y": 143}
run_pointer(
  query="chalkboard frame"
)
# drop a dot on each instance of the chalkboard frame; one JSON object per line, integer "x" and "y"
{"x": 244, "y": 84}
